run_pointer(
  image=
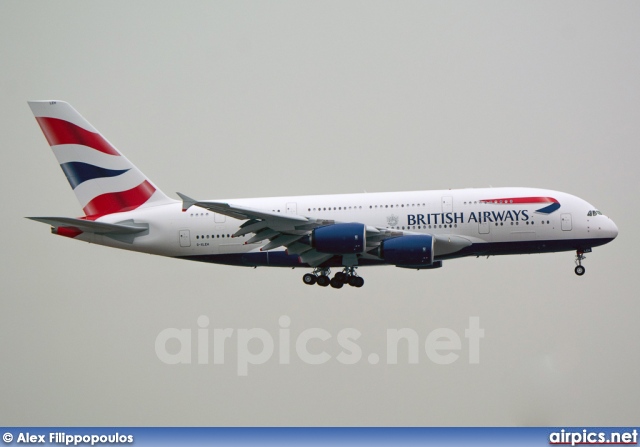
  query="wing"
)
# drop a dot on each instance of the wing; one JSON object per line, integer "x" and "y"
{"x": 286, "y": 230}
{"x": 292, "y": 232}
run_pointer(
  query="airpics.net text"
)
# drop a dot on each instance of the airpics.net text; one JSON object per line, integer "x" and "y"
{"x": 257, "y": 346}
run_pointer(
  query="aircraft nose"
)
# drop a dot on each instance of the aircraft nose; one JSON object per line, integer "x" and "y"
{"x": 612, "y": 229}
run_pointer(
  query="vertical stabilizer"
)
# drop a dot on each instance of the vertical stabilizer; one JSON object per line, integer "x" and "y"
{"x": 103, "y": 180}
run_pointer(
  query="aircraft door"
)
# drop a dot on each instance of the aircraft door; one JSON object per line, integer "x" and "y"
{"x": 184, "y": 237}
{"x": 566, "y": 222}
{"x": 292, "y": 208}
{"x": 447, "y": 204}
{"x": 483, "y": 228}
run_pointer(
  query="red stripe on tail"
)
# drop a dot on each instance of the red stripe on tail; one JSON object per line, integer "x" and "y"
{"x": 116, "y": 202}
{"x": 58, "y": 131}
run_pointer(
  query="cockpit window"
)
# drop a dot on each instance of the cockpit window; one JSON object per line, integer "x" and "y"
{"x": 594, "y": 213}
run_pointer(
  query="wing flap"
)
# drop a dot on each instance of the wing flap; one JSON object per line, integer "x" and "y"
{"x": 251, "y": 228}
{"x": 297, "y": 248}
{"x": 314, "y": 258}
{"x": 279, "y": 241}
{"x": 263, "y": 235}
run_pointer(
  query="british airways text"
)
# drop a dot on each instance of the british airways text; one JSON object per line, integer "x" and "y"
{"x": 478, "y": 217}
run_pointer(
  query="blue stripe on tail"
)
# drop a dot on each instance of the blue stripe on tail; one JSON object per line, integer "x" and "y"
{"x": 78, "y": 172}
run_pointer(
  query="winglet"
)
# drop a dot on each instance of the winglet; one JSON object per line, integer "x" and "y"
{"x": 187, "y": 202}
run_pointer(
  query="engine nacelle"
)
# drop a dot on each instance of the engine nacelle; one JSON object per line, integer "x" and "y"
{"x": 414, "y": 250}
{"x": 340, "y": 239}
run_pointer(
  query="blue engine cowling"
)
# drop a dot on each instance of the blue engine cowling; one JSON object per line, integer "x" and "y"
{"x": 340, "y": 239}
{"x": 414, "y": 250}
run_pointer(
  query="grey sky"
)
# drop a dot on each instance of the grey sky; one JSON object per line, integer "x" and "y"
{"x": 245, "y": 99}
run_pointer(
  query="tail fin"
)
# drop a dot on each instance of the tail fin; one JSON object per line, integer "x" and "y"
{"x": 103, "y": 180}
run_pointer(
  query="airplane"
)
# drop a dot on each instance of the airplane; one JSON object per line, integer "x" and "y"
{"x": 414, "y": 230}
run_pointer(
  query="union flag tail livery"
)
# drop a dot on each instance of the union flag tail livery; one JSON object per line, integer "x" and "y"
{"x": 103, "y": 180}
{"x": 416, "y": 229}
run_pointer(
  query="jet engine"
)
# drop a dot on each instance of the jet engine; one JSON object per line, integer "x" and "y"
{"x": 412, "y": 250}
{"x": 340, "y": 239}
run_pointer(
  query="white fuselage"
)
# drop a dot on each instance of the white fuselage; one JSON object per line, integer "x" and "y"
{"x": 493, "y": 227}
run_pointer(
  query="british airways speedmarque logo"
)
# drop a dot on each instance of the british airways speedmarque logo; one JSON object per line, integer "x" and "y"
{"x": 553, "y": 203}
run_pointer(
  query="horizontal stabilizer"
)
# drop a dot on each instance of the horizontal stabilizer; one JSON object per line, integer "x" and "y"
{"x": 124, "y": 231}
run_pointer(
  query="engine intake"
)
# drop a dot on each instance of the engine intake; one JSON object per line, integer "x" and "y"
{"x": 413, "y": 250}
{"x": 340, "y": 239}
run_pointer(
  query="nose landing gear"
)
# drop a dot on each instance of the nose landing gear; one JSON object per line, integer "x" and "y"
{"x": 579, "y": 258}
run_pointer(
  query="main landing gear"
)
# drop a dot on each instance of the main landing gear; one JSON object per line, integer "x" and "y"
{"x": 579, "y": 258}
{"x": 320, "y": 276}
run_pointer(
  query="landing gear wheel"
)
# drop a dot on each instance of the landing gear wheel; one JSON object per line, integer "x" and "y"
{"x": 579, "y": 258}
{"x": 309, "y": 279}
{"x": 336, "y": 283}
{"x": 323, "y": 280}
{"x": 356, "y": 281}
{"x": 341, "y": 276}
